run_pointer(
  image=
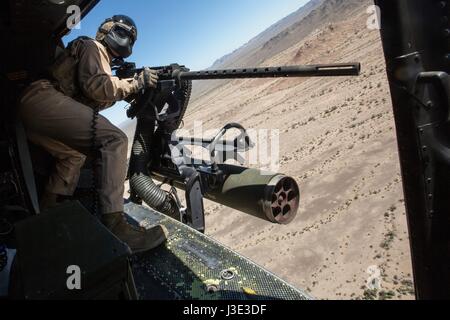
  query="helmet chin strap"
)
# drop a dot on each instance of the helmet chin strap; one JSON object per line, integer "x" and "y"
{"x": 111, "y": 55}
{"x": 118, "y": 49}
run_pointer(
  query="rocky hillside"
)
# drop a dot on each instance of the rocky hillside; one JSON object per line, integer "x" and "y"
{"x": 258, "y": 46}
{"x": 338, "y": 141}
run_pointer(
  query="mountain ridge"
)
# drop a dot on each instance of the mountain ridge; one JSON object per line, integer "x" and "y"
{"x": 243, "y": 56}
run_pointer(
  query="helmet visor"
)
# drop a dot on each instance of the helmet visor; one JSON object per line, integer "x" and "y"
{"x": 124, "y": 31}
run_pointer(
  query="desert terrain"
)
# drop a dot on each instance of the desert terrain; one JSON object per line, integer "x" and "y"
{"x": 338, "y": 141}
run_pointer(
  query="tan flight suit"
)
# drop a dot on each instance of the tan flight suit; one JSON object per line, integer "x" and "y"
{"x": 63, "y": 125}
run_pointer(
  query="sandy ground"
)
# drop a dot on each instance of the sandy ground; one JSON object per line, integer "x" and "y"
{"x": 338, "y": 141}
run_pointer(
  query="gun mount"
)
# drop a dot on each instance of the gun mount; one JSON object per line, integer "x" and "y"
{"x": 159, "y": 112}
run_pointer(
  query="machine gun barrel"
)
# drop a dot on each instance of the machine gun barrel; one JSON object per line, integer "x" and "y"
{"x": 324, "y": 70}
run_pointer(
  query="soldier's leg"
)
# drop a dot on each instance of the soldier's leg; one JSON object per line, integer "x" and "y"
{"x": 47, "y": 112}
{"x": 64, "y": 179}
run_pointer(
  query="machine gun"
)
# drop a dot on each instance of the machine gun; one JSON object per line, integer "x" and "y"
{"x": 159, "y": 154}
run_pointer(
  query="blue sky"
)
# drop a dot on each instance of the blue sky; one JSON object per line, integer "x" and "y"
{"x": 190, "y": 32}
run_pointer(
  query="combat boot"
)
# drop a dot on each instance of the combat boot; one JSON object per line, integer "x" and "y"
{"x": 138, "y": 239}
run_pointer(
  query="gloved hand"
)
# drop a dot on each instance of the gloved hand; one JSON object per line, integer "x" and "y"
{"x": 147, "y": 79}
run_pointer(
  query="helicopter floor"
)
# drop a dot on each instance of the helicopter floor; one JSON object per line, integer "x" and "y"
{"x": 192, "y": 266}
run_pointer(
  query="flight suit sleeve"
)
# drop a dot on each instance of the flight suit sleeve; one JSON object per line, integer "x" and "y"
{"x": 96, "y": 79}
